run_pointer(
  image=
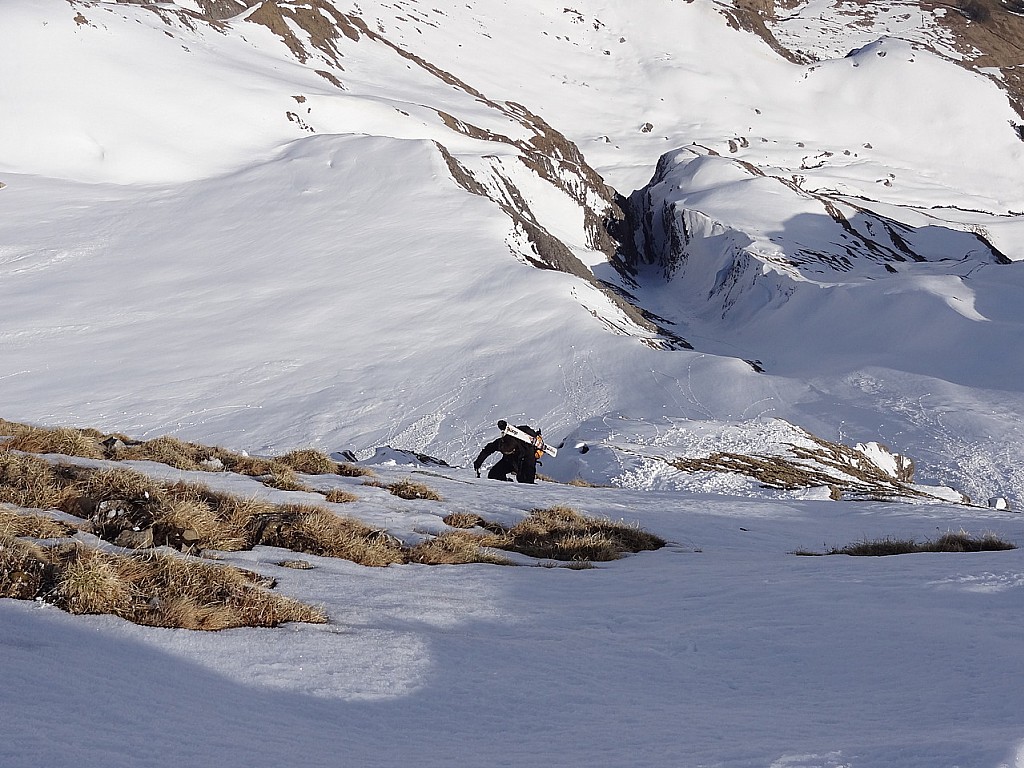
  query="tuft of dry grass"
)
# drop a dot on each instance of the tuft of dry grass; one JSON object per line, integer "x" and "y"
{"x": 310, "y": 462}
{"x": 572, "y": 565}
{"x": 186, "y": 612}
{"x": 194, "y": 517}
{"x": 463, "y": 520}
{"x": 960, "y": 541}
{"x": 89, "y": 581}
{"x": 253, "y": 466}
{"x": 352, "y": 470}
{"x": 15, "y": 523}
{"x": 90, "y": 443}
{"x": 165, "y": 450}
{"x": 64, "y": 440}
{"x": 557, "y": 533}
{"x": 409, "y": 490}
{"x": 319, "y": 531}
{"x": 10, "y": 428}
{"x": 121, "y": 484}
{"x": 154, "y": 589}
{"x": 562, "y": 533}
{"x": 188, "y": 593}
{"x": 457, "y": 548}
{"x": 284, "y": 479}
{"x": 240, "y": 512}
{"x": 340, "y": 496}
{"x": 29, "y": 481}
{"x": 25, "y": 570}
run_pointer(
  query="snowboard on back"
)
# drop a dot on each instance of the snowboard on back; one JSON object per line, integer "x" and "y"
{"x": 536, "y": 442}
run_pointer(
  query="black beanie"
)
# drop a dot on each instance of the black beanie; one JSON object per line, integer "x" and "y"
{"x": 502, "y": 424}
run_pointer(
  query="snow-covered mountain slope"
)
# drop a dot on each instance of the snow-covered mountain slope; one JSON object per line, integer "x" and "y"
{"x": 694, "y": 241}
{"x": 721, "y": 649}
{"x": 279, "y": 224}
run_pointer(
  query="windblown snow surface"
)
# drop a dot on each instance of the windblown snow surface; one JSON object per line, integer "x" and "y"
{"x": 239, "y": 233}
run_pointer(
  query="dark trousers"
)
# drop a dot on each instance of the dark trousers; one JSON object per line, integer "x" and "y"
{"x": 505, "y": 465}
{"x": 525, "y": 468}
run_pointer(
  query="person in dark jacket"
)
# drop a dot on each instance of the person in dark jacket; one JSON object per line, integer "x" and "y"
{"x": 516, "y": 456}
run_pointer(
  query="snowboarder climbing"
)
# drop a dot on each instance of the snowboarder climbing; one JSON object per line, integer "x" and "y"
{"x": 516, "y": 456}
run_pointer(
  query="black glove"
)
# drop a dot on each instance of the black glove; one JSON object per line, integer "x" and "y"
{"x": 477, "y": 470}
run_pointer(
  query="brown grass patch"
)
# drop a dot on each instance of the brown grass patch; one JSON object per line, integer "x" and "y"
{"x": 960, "y": 541}
{"x": 340, "y": 496}
{"x": 352, "y": 470}
{"x": 409, "y": 490}
{"x": 28, "y": 481}
{"x": 462, "y": 520}
{"x": 24, "y": 568}
{"x": 197, "y": 595}
{"x": 562, "y": 533}
{"x": 65, "y": 440}
{"x": 9, "y": 428}
{"x": 558, "y": 533}
{"x": 152, "y": 589}
{"x": 165, "y": 450}
{"x": 239, "y": 511}
{"x": 845, "y": 471}
{"x": 119, "y": 483}
{"x": 89, "y": 581}
{"x": 310, "y": 462}
{"x": 17, "y": 523}
{"x": 284, "y": 479}
{"x": 242, "y": 464}
{"x": 194, "y": 516}
{"x": 135, "y": 511}
{"x": 318, "y": 531}
{"x": 90, "y": 443}
{"x": 572, "y": 565}
{"x": 457, "y": 548}
{"x": 192, "y": 457}
{"x": 186, "y": 516}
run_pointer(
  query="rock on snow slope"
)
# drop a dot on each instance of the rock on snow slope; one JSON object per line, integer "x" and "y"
{"x": 281, "y": 224}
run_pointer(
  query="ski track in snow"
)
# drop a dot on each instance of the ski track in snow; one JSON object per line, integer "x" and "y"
{"x": 983, "y": 583}
{"x": 586, "y": 394}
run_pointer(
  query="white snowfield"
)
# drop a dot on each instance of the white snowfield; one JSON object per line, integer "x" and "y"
{"x": 242, "y": 234}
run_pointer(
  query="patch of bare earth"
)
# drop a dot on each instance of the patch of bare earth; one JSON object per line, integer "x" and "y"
{"x": 990, "y": 34}
{"x": 846, "y": 472}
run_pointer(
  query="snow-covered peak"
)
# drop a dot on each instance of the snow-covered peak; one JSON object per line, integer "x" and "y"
{"x": 274, "y": 224}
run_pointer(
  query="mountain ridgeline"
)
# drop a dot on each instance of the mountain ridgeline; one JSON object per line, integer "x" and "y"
{"x": 540, "y": 179}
